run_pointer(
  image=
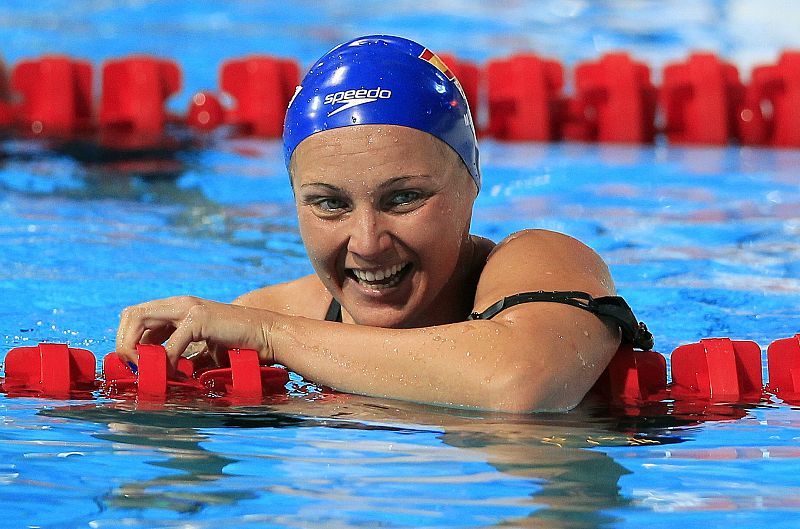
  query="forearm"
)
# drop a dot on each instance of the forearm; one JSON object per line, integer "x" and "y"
{"x": 481, "y": 364}
{"x": 433, "y": 365}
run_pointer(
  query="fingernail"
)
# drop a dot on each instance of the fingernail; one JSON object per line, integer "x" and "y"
{"x": 133, "y": 367}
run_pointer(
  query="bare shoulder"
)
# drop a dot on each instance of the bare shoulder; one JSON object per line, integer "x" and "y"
{"x": 531, "y": 260}
{"x": 571, "y": 345}
{"x": 305, "y": 297}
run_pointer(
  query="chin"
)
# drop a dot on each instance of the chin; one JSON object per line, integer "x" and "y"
{"x": 389, "y": 319}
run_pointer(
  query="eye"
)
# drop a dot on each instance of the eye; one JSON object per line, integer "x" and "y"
{"x": 330, "y": 204}
{"x": 403, "y": 198}
{"x": 326, "y": 205}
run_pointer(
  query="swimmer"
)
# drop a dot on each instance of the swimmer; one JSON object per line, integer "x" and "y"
{"x": 405, "y": 303}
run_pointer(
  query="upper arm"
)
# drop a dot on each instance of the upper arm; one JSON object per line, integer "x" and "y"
{"x": 562, "y": 350}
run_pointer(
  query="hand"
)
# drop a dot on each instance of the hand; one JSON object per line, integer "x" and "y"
{"x": 184, "y": 320}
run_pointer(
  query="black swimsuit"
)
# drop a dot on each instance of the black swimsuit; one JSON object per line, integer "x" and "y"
{"x": 612, "y": 308}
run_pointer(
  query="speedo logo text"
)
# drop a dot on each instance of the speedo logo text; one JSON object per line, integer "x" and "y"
{"x": 353, "y": 98}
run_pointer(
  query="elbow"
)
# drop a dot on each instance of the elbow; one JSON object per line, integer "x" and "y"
{"x": 524, "y": 390}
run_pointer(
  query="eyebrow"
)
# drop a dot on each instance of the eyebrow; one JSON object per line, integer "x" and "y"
{"x": 320, "y": 184}
{"x": 388, "y": 183}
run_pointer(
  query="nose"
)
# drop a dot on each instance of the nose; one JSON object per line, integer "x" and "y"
{"x": 369, "y": 236}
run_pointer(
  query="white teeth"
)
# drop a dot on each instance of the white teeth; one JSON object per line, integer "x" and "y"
{"x": 387, "y": 274}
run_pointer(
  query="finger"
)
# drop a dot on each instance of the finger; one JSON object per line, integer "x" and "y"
{"x": 196, "y": 349}
{"x": 157, "y": 336}
{"x": 220, "y": 354}
{"x": 129, "y": 333}
{"x": 200, "y": 355}
{"x": 159, "y": 316}
{"x": 202, "y": 361}
{"x": 187, "y": 331}
{"x": 207, "y": 322}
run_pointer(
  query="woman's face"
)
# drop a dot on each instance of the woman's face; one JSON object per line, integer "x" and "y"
{"x": 384, "y": 213}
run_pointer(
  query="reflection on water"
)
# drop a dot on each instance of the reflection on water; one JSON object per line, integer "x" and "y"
{"x": 357, "y": 460}
{"x": 168, "y": 173}
{"x": 221, "y": 222}
{"x": 702, "y": 242}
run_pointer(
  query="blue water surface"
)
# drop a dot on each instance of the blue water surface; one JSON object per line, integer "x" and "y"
{"x": 701, "y": 241}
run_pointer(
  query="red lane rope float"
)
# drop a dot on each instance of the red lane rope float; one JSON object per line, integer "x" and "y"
{"x": 52, "y": 370}
{"x": 701, "y": 100}
{"x": 634, "y": 377}
{"x": 524, "y": 97}
{"x": 777, "y": 89}
{"x": 57, "y": 95}
{"x": 714, "y": 370}
{"x": 783, "y": 363}
{"x": 614, "y": 101}
{"x": 262, "y": 87}
{"x": 134, "y": 92}
{"x": 718, "y": 369}
{"x": 709, "y": 372}
{"x": 58, "y": 371}
{"x": 244, "y": 379}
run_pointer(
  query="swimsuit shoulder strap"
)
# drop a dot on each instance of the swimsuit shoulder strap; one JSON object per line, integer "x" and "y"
{"x": 613, "y": 308}
{"x": 334, "y": 311}
{"x": 610, "y": 307}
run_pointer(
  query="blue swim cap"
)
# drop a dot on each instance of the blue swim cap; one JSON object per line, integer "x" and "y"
{"x": 383, "y": 80}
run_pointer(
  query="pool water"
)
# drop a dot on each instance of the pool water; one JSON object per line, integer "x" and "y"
{"x": 701, "y": 241}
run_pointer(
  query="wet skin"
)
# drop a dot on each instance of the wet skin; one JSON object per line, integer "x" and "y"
{"x": 401, "y": 204}
{"x": 384, "y": 213}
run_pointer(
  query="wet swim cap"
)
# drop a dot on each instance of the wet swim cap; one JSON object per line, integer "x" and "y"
{"x": 382, "y": 80}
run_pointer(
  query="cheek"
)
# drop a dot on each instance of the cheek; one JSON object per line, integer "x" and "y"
{"x": 448, "y": 219}
{"x": 440, "y": 229}
{"x": 319, "y": 240}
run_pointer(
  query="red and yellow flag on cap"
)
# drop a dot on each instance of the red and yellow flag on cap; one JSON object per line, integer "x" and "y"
{"x": 428, "y": 55}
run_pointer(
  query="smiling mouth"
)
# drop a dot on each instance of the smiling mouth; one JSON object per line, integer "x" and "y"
{"x": 380, "y": 279}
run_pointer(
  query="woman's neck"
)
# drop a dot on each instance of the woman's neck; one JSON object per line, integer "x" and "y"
{"x": 456, "y": 300}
